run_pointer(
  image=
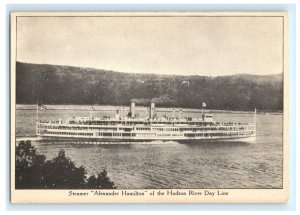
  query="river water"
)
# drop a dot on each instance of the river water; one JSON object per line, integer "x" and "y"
{"x": 170, "y": 164}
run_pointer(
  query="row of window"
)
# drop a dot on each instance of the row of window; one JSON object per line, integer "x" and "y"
{"x": 115, "y": 135}
{"x": 148, "y": 128}
{"x": 151, "y": 134}
{"x": 70, "y": 133}
{"x": 219, "y": 134}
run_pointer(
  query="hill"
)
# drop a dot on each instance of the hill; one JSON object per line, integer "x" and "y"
{"x": 53, "y": 84}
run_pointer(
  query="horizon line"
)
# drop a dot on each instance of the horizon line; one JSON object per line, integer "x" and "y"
{"x": 109, "y": 70}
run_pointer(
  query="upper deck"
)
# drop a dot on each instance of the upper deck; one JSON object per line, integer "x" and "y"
{"x": 131, "y": 119}
{"x": 131, "y": 126}
{"x": 186, "y": 122}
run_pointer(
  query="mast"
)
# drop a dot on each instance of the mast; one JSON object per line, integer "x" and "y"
{"x": 37, "y": 117}
{"x": 91, "y": 111}
{"x": 180, "y": 113}
{"x": 123, "y": 112}
{"x": 255, "y": 121}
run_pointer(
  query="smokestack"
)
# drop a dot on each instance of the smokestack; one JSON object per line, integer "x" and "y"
{"x": 152, "y": 110}
{"x": 132, "y": 109}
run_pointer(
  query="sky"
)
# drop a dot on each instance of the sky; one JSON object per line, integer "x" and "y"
{"x": 210, "y": 46}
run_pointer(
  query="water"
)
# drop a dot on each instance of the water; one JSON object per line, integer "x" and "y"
{"x": 170, "y": 164}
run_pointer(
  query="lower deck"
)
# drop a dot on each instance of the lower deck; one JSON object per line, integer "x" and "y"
{"x": 116, "y": 136}
{"x": 126, "y": 140}
{"x": 146, "y": 133}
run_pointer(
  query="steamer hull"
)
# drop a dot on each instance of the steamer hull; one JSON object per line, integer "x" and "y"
{"x": 249, "y": 139}
{"x": 133, "y": 129}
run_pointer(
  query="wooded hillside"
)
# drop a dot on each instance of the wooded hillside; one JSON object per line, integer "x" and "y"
{"x": 53, "y": 84}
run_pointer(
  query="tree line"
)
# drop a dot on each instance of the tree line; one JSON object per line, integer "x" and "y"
{"x": 52, "y": 84}
{"x": 33, "y": 171}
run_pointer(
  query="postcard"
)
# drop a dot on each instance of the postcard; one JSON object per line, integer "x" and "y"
{"x": 149, "y": 107}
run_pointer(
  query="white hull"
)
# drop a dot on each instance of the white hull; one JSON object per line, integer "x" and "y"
{"x": 131, "y": 129}
{"x": 145, "y": 139}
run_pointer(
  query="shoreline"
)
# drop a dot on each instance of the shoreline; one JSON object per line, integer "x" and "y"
{"x": 142, "y": 108}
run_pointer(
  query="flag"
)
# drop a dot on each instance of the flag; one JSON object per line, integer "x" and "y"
{"x": 43, "y": 107}
{"x": 203, "y": 104}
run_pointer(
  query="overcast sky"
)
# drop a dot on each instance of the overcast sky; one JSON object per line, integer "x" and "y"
{"x": 161, "y": 45}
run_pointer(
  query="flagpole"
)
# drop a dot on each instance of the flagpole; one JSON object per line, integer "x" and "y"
{"x": 37, "y": 116}
{"x": 37, "y": 111}
{"x": 254, "y": 115}
{"x": 255, "y": 123}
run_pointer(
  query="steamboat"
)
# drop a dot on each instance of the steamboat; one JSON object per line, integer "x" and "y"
{"x": 130, "y": 127}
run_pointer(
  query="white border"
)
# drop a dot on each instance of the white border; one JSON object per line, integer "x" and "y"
{"x": 4, "y": 84}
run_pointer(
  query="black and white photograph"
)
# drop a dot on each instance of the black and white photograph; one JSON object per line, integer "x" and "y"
{"x": 149, "y": 107}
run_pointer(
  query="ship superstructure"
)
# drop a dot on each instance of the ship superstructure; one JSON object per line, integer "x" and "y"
{"x": 130, "y": 127}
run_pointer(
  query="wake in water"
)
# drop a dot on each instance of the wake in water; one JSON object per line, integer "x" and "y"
{"x": 155, "y": 142}
{"x": 127, "y": 143}
{"x": 25, "y": 138}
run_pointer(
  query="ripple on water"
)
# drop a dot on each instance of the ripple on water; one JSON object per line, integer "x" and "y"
{"x": 172, "y": 165}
